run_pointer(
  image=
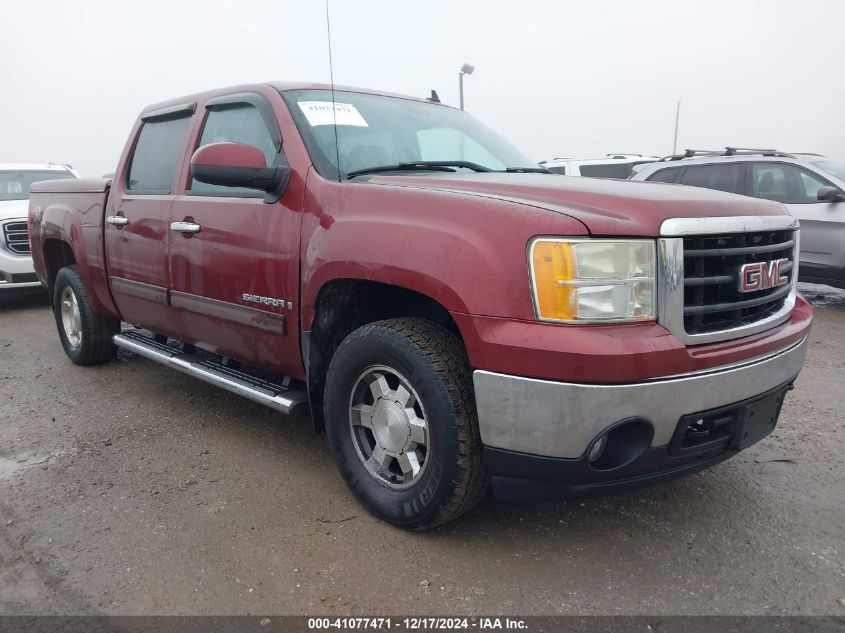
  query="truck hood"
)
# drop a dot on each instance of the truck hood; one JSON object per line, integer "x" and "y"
{"x": 13, "y": 209}
{"x": 605, "y": 207}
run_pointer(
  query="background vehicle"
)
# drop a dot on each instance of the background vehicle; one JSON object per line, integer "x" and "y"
{"x": 811, "y": 186}
{"x": 451, "y": 319}
{"x": 16, "y": 272}
{"x": 611, "y": 166}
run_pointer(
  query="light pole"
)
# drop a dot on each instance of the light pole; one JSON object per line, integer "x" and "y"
{"x": 466, "y": 69}
{"x": 677, "y": 120}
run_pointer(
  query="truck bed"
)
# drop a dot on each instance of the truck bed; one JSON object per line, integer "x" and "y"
{"x": 66, "y": 226}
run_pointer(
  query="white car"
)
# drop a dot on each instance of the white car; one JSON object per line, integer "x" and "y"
{"x": 16, "y": 271}
{"x": 611, "y": 166}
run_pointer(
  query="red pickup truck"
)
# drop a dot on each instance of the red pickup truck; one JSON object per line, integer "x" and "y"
{"x": 452, "y": 316}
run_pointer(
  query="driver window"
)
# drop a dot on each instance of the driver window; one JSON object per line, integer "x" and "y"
{"x": 785, "y": 183}
{"x": 236, "y": 123}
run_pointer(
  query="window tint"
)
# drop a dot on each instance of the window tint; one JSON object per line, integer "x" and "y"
{"x": 557, "y": 170}
{"x": 723, "y": 177}
{"x": 238, "y": 123}
{"x": 665, "y": 175}
{"x": 157, "y": 152}
{"x": 612, "y": 170}
{"x": 784, "y": 183}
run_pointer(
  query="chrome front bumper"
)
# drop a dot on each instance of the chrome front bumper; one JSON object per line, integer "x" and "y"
{"x": 558, "y": 419}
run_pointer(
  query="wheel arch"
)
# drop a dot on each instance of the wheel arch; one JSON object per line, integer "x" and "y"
{"x": 345, "y": 304}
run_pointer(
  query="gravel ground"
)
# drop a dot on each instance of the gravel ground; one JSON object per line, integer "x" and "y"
{"x": 132, "y": 489}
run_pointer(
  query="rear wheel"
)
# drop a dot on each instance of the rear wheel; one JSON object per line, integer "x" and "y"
{"x": 401, "y": 421}
{"x": 85, "y": 336}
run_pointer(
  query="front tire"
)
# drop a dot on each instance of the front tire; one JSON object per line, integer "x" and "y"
{"x": 401, "y": 422}
{"x": 85, "y": 335}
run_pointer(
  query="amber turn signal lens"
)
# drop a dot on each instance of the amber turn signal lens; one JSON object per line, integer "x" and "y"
{"x": 553, "y": 262}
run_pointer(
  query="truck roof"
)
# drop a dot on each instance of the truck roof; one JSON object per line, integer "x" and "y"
{"x": 281, "y": 86}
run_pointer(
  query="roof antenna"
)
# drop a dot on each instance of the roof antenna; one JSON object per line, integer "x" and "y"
{"x": 434, "y": 98}
{"x": 331, "y": 78}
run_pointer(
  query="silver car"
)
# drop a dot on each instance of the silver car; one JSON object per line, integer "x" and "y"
{"x": 811, "y": 186}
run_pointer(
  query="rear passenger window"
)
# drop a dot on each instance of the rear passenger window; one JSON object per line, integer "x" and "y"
{"x": 235, "y": 123}
{"x": 724, "y": 177}
{"x": 665, "y": 175}
{"x": 612, "y": 170}
{"x": 156, "y": 155}
{"x": 557, "y": 170}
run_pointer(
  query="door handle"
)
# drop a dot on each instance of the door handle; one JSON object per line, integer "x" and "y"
{"x": 117, "y": 220}
{"x": 185, "y": 227}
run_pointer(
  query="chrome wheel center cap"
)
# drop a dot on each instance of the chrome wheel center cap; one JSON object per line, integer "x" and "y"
{"x": 390, "y": 425}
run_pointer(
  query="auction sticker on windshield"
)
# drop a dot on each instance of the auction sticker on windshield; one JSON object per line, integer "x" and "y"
{"x": 320, "y": 113}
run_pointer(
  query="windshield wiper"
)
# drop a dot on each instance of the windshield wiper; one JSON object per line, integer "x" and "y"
{"x": 527, "y": 170}
{"x": 422, "y": 165}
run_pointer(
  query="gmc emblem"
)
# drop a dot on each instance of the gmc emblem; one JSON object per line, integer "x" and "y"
{"x": 762, "y": 275}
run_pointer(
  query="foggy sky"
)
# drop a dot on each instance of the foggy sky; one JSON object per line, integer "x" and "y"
{"x": 560, "y": 78}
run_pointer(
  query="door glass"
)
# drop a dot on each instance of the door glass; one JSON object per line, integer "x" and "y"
{"x": 723, "y": 177}
{"x": 784, "y": 183}
{"x": 157, "y": 151}
{"x": 607, "y": 170}
{"x": 665, "y": 175}
{"x": 239, "y": 123}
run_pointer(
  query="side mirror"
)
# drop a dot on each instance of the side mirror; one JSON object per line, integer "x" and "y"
{"x": 239, "y": 165}
{"x": 831, "y": 194}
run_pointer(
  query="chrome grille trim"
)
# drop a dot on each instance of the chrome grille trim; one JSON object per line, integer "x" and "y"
{"x": 671, "y": 280}
{"x": 16, "y": 236}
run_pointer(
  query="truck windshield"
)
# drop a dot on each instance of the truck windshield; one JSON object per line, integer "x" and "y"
{"x": 14, "y": 185}
{"x": 832, "y": 167}
{"x": 378, "y": 131}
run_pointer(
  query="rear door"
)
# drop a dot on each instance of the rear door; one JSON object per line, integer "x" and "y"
{"x": 138, "y": 218}
{"x": 822, "y": 223}
{"x": 234, "y": 284}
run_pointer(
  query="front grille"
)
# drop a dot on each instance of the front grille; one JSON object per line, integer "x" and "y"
{"x": 712, "y": 300}
{"x": 16, "y": 237}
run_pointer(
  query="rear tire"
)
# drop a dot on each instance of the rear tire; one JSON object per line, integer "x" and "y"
{"x": 401, "y": 422}
{"x": 85, "y": 336}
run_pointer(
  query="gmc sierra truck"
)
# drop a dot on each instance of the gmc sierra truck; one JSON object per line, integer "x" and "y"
{"x": 453, "y": 317}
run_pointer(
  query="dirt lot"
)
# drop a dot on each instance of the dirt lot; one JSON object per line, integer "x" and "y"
{"x": 132, "y": 489}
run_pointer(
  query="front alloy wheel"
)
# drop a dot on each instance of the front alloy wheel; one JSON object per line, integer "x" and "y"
{"x": 388, "y": 426}
{"x": 401, "y": 422}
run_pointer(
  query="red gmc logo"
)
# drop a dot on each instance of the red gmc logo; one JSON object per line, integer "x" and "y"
{"x": 762, "y": 275}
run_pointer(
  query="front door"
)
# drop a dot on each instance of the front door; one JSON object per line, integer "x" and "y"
{"x": 138, "y": 219}
{"x": 822, "y": 223}
{"x": 234, "y": 259}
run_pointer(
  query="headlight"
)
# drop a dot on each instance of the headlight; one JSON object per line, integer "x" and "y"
{"x": 592, "y": 280}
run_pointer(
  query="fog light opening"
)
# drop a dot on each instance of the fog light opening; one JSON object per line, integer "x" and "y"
{"x": 621, "y": 445}
{"x": 597, "y": 449}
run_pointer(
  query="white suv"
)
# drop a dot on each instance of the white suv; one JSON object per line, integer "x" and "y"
{"x": 16, "y": 270}
{"x": 611, "y": 166}
{"x": 811, "y": 186}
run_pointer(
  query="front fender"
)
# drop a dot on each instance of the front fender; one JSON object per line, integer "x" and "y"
{"x": 466, "y": 252}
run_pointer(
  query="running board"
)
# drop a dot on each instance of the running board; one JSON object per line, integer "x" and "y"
{"x": 270, "y": 394}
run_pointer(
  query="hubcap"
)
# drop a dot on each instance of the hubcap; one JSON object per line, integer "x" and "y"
{"x": 71, "y": 319}
{"x": 389, "y": 427}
